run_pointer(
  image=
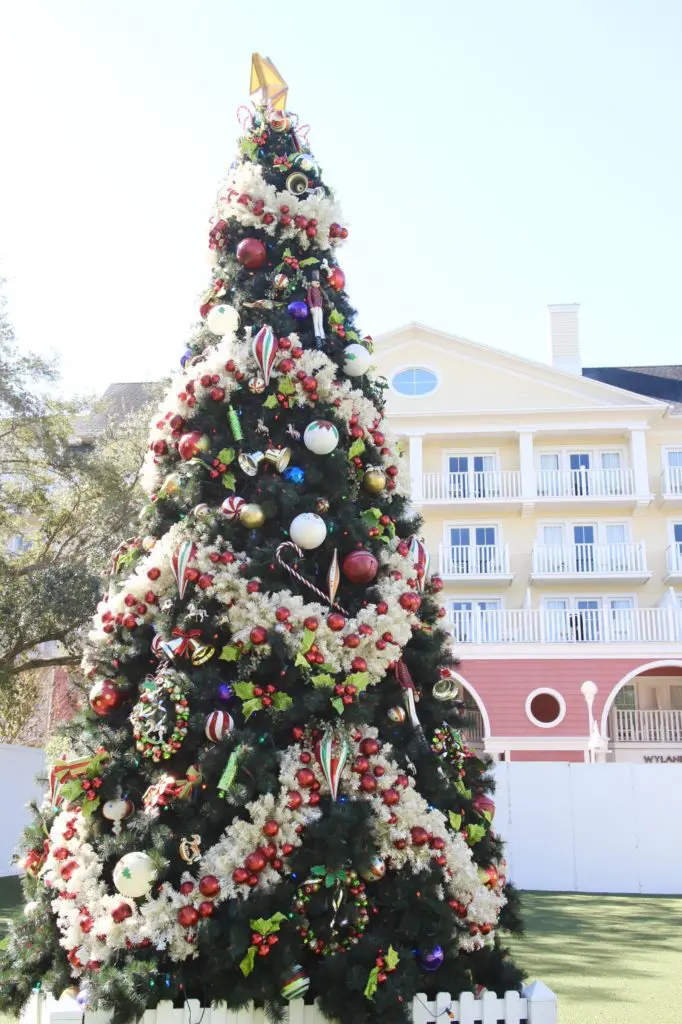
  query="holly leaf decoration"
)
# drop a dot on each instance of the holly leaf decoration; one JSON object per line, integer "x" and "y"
{"x": 267, "y": 925}
{"x": 89, "y": 806}
{"x": 307, "y": 641}
{"x": 247, "y": 964}
{"x": 392, "y": 959}
{"x": 229, "y": 481}
{"x": 370, "y": 516}
{"x": 229, "y": 653}
{"x": 250, "y": 707}
{"x": 248, "y": 148}
{"x": 474, "y": 834}
{"x": 352, "y": 336}
{"x": 243, "y": 690}
{"x": 300, "y": 661}
{"x": 358, "y": 679}
{"x": 286, "y": 386}
{"x": 338, "y": 705}
{"x": 71, "y": 790}
{"x": 270, "y": 402}
{"x": 281, "y": 701}
{"x": 335, "y": 317}
{"x": 357, "y": 448}
{"x": 372, "y": 983}
{"x": 226, "y": 456}
{"x": 455, "y": 820}
{"x": 310, "y": 261}
{"x": 323, "y": 679}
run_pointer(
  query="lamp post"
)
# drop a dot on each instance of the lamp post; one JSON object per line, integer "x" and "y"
{"x": 589, "y": 692}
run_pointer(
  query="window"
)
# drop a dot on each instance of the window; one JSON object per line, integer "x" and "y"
{"x": 415, "y": 381}
{"x": 611, "y": 482}
{"x": 472, "y": 475}
{"x": 579, "y": 463}
{"x": 549, "y": 483}
{"x": 476, "y": 621}
{"x": 473, "y": 549}
{"x": 545, "y": 708}
{"x": 574, "y": 620}
{"x": 676, "y": 696}
{"x": 622, "y": 618}
{"x": 626, "y": 699}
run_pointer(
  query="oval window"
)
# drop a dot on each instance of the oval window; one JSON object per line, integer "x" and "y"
{"x": 545, "y": 708}
{"x": 417, "y": 380}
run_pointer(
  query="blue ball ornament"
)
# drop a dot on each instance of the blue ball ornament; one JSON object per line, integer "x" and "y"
{"x": 298, "y": 309}
{"x": 225, "y": 691}
{"x": 294, "y": 474}
{"x": 186, "y": 356}
{"x": 431, "y": 960}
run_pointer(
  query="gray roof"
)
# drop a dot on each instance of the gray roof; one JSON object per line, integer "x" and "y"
{"x": 661, "y": 382}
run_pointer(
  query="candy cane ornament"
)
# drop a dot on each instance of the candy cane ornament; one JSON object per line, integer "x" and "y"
{"x": 301, "y": 579}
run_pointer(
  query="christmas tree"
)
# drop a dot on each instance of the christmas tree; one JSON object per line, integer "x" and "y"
{"x": 268, "y": 796}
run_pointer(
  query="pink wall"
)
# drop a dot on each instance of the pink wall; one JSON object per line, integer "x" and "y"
{"x": 546, "y": 755}
{"x": 503, "y": 687}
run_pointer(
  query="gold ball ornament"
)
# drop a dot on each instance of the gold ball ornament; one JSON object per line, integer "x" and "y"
{"x": 374, "y": 480}
{"x": 256, "y": 385}
{"x": 252, "y": 516}
{"x": 445, "y": 690}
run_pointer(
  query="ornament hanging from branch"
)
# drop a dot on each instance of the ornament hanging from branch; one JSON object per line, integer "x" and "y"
{"x": 301, "y": 579}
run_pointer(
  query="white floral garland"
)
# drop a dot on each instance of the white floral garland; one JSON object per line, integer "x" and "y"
{"x": 83, "y": 905}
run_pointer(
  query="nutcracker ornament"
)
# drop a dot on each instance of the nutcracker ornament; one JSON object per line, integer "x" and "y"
{"x": 317, "y": 301}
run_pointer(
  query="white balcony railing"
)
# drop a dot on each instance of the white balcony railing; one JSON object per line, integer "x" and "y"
{"x": 477, "y": 560}
{"x": 631, "y": 726}
{"x": 485, "y": 486}
{"x": 564, "y": 626}
{"x": 583, "y": 483}
{"x": 671, "y": 481}
{"x": 590, "y": 559}
{"x": 473, "y": 731}
{"x": 673, "y": 557}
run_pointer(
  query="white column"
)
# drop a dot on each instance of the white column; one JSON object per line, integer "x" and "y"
{"x": 639, "y": 461}
{"x": 417, "y": 467}
{"x": 527, "y": 465}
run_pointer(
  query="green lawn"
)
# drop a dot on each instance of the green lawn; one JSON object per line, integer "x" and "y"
{"x": 610, "y": 959}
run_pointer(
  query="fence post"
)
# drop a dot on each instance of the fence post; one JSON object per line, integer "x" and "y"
{"x": 541, "y": 1003}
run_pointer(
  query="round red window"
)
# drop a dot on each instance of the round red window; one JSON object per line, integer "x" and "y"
{"x": 545, "y": 708}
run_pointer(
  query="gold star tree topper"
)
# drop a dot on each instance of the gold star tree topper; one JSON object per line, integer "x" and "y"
{"x": 266, "y": 80}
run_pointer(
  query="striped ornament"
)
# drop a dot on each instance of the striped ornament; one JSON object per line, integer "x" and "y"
{"x": 332, "y": 761}
{"x": 179, "y": 562}
{"x": 218, "y": 724}
{"x": 232, "y": 506}
{"x": 420, "y": 559}
{"x": 296, "y": 983}
{"x": 265, "y": 351}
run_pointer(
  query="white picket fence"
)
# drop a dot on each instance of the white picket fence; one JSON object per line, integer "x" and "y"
{"x": 536, "y": 1005}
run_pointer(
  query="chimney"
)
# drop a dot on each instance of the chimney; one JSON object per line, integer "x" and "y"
{"x": 563, "y": 337}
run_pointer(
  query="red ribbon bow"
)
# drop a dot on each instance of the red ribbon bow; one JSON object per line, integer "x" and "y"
{"x": 184, "y": 640}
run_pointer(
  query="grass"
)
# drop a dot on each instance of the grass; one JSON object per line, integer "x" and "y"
{"x": 610, "y": 959}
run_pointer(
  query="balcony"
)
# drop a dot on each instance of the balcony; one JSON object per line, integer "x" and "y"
{"x": 625, "y": 563}
{"x": 630, "y": 726}
{"x": 566, "y": 626}
{"x": 671, "y": 486}
{"x": 480, "y": 564}
{"x": 492, "y": 489}
{"x": 673, "y": 560}
{"x": 585, "y": 486}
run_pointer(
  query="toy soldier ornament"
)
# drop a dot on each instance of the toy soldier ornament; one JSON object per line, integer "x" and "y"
{"x": 317, "y": 301}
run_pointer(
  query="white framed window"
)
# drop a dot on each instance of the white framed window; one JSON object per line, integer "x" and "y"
{"x": 472, "y": 548}
{"x": 415, "y": 381}
{"x": 626, "y": 698}
{"x": 545, "y": 707}
{"x": 472, "y": 474}
{"x": 476, "y": 619}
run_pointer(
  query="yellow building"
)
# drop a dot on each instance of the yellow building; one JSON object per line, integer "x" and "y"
{"x": 552, "y": 504}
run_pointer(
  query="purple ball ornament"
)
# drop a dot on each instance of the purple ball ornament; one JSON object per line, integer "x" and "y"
{"x": 432, "y": 959}
{"x": 185, "y": 357}
{"x": 298, "y": 309}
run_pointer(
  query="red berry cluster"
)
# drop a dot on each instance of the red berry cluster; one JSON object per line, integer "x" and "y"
{"x": 268, "y": 853}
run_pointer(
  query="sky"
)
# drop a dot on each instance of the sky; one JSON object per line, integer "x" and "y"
{"x": 491, "y": 158}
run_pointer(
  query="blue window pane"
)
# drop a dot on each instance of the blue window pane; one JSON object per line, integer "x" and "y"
{"x": 415, "y": 381}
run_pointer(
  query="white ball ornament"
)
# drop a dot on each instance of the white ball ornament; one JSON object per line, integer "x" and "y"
{"x": 357, "y": 360}
{"x": 134, "y": 874}
{"x": 116, "y": 811}
{"x": 321, "y": 437}
{"x": 308, "y": 531}
{"x": 222, "y": 319}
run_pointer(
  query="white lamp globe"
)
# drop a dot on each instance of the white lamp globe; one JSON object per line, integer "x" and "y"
{"x": 357, "y": 360}
{"x": 222, "y": 319}
{"x": 308, "y": 531}
{"x": 134, "y": 874}
{"x": 321, "y": 437}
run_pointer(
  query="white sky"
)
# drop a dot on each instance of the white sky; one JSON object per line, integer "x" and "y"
{"x": 490, "y": 157}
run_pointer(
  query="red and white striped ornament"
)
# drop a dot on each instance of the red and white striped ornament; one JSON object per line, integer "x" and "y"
{"x": 218, "y": 724}
{"x": 232, "y": 506}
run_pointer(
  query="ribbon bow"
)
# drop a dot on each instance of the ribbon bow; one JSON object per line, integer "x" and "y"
{"x": 183, "y": 642}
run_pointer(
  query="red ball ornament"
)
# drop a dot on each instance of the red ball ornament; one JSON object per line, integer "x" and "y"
{"x": 251, "y": 253}
{"x": 410, "y": 601}
{"x": 436, "y": 583}
{"x": 105, "y": 697}
{"x": 271, "y": 828}
{"x": 336, "y": 621}
{"x": 360, "y": 566}
{"x": 121, "y": 912}
{"x": 205, "y": 908}
{"x": 370, "y": 746}
{"x": 240, "y": 876}
{"x": 186, "y": 888}
{"x": 311, "y": 623}
{"x": 282, "y": 614}
{"x": 391, "y": 797}
{"x": 419, "y": 835}
{"x": 295, "y": 800}
{"x": 305, "y": 777}
{"x": 358, "y": 665}
{"x": 192, "y": 443}
{"x": 258, "y": 635}
{"x": 188, "y": 917}
{"x": 368, "y": 783}
{"x": 209, "y": 885}
{"x": 255, "y": 862}
{"x": 337, "y": 279}
{"x": 352, "y": 640}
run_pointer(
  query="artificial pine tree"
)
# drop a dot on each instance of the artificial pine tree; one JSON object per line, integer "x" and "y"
{"x": 268, "y": 796}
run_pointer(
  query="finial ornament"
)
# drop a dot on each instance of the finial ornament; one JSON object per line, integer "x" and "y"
{"x": 267, "y": 81}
